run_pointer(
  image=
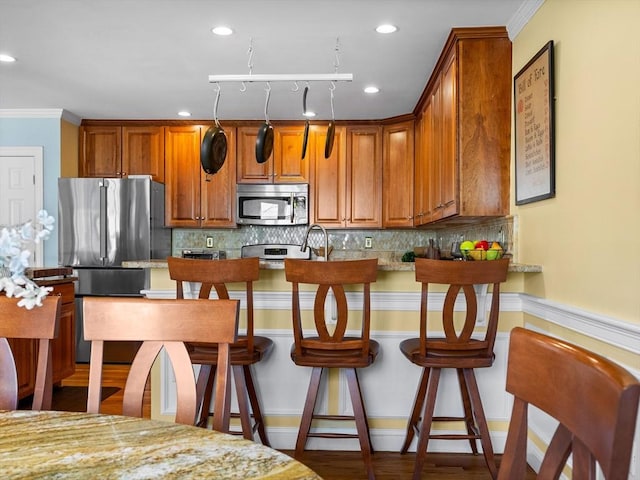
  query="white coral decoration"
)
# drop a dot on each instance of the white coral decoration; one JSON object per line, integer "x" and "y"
{"x": 14, "y": 259}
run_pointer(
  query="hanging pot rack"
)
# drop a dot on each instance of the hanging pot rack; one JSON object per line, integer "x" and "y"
{"x": 284, "y": 77}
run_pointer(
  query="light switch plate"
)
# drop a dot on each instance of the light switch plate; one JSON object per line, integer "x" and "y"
{"x": 209, "y": 242}
{"x": 368, "y": 242}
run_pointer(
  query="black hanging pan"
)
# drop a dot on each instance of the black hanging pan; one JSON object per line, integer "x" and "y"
{"x": 328, "y": 146}
{"x": 264, "y": 142}
{"x": 305, "y": 138}
{"x": 213, "y": 150}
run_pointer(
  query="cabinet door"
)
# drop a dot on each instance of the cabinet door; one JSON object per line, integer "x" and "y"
{"x": 363, "y": 198}
{"x": 421, "y": 188}
{"x": 24, "y": 355}
{"x": 218, "y": 202}
{"x": 448, "y": 203}
{"x": 182, "y": 176}
{"x": 249, "y": 170}
{"x": 143, "y": 152}
{"x": 398, "y": 175}
{"x": 328, "y": 180}
{"x": 289, "y": 166}
{"x": 100, "y": 151}
{"x": 433, "y": 142}
{"x": 63, "y": 348}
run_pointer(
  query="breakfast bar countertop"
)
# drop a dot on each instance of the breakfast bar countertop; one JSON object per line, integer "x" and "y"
{"x": 385, "y": 263}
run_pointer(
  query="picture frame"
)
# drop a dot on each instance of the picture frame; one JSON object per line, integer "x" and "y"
{"x": 533, "y": 103}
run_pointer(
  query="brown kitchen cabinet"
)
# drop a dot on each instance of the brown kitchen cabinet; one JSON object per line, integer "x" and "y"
{"x": 119, "y": 151}
{"x": 398, "y": 174}
{"x": 63, "y": 348}
{"x": 285, "y": 165}
{"x": 463, "y": 152}
{"x": 194, "y": 198}
{"x": 347, "y": 186}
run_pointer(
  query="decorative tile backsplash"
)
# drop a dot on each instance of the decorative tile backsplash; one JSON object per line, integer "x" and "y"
{"x": 389, "y": 241}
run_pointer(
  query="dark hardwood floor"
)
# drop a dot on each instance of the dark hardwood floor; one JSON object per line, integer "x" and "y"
{"x": 330, "y": 465}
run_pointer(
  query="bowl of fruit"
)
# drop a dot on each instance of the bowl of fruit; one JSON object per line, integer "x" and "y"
{"x": 481, "y": 250}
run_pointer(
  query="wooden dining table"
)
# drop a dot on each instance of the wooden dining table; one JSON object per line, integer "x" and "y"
{"x": 72, "y": 445}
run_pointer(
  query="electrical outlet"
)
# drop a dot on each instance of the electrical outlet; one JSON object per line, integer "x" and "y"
{"x": 209, "y": 242}
{"x": 367, "y": 242}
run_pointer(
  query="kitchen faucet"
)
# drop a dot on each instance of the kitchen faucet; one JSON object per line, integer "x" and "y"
{"x": 326, "y": 240}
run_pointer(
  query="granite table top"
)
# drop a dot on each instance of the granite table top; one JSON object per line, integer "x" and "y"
{"x": 71, "y": 445}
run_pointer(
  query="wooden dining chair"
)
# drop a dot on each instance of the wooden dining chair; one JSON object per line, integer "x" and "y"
{"x": 339, "y": 348}
{"x": 39, "y": 323}
{"x": 594, "y": 400}
{"x": 162, "y": 323}
{"x": 456, "y": 349}
{"x": 248, "y": 350}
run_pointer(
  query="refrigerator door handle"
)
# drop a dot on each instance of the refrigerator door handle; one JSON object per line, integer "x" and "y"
{"x": 103, "y": 220}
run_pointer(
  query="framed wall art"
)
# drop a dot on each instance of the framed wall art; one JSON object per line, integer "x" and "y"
{"x": 534, "y": 128}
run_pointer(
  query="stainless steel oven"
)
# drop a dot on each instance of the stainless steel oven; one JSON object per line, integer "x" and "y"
{"x": 272, "y": 204}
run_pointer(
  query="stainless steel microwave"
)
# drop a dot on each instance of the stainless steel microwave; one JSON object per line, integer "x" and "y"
{"x": 272, "y": 204}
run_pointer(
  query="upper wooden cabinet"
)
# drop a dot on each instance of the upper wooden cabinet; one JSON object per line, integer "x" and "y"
{"x": 464, "y": 122}
{"x": 192, "y": 197}
{"x": 285, "y": 165}
{"x": 347, "y": 186}
{"x": 397, "y": 175}
{"x": 120, "y": 151}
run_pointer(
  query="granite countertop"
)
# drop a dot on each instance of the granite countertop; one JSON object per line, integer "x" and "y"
{"x": 384, "y": 264}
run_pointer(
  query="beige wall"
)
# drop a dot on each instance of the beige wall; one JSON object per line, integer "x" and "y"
{"x": 68, "y": 149}
{"x": 586, "y": 236}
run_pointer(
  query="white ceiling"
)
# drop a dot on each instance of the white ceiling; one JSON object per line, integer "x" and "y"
{"x": 148, "y": 59}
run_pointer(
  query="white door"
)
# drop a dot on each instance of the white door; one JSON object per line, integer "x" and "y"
{"x": 21, "y": 191}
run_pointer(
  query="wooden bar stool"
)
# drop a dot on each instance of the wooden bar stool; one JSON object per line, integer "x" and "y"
{"x": 456, "y": 349}
{"x": 40, "y": 323}
{"x": 338, "y": 349}
{"x": 594, "y": 400}
{"x": 246, "y": 351}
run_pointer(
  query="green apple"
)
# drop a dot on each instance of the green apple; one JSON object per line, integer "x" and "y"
{"x": 492, "y": 254}
{"x": 467, "y": 245}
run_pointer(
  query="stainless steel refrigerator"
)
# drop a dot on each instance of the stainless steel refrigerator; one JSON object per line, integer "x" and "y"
{"x": 103, "y": 222}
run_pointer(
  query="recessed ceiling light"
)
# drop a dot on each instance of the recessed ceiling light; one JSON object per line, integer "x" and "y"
{"x": 222, "y": 30}
{"x": 386, "y": 28}
{"x": 6, "y": 58}
{"x": 371, "y": 89}
{"x": 184, "y": 113}
{"x": 309, "y": 113}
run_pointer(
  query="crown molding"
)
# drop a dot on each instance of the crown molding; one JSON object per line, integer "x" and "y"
{"x": 59, "y": 113}
{"x": 526, "y": 11}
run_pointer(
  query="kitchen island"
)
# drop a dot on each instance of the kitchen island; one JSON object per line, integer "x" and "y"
{"x": 388, "y": 386}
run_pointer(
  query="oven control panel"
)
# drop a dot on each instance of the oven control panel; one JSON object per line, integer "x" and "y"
{"x": 275, "y": 251}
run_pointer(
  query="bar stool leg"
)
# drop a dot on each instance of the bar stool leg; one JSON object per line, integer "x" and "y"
{"x": 204, "y": 386}
{"x": 478, "y": 411}
{"x": 255, "y": 405}
{"x": 468, "y": 413}
{"x": 412, "y": 424}
{"x": 307, "y": 412}
{"x": 243, "y": 401}
{"x": 361, "y": 420}
{"x": 425, "y": 428}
